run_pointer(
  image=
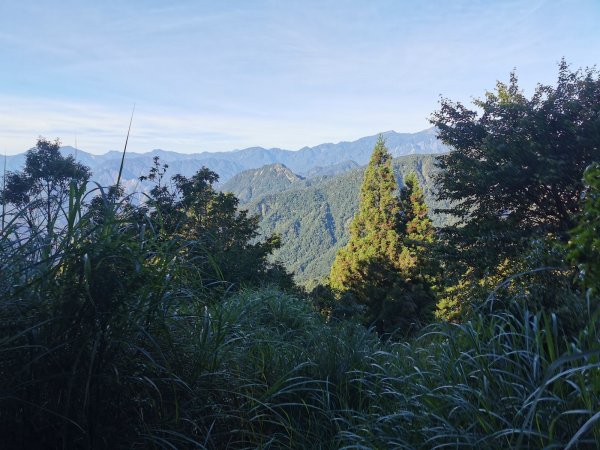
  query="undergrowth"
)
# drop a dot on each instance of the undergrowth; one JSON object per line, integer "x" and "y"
{"x": 110, "y": 339}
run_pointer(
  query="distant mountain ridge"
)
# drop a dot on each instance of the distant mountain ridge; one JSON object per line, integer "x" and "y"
{"x": 333, "y": 169}
{"x": 323, "y": 159}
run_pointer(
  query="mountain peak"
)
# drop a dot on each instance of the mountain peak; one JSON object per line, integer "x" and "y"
{"x": 252, "y": 183}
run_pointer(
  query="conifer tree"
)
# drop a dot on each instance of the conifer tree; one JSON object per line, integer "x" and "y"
{"x": 418, "y": 231}
{"x": 377, "y": 268}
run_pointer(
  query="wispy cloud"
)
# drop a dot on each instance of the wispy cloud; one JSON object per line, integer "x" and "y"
{"x": 221, "y": 75}
{"x": 98, "y": 129}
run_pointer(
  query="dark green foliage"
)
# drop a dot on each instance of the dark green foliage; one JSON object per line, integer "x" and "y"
{"x": 378, "y": 267}
{"x": 107, "y": 340}
{"x": 88, "y": 323}
{"x": 584, "y": 246}
{"x": 219, "y": 238}
{"x": 515, "y": 168}
{"x": 539, "y": 278}
{"x": 81, "y": 326}
{"x": 513, "y": 181}
{"x": 468, "y": 386}
{"x": 43, "y": 185}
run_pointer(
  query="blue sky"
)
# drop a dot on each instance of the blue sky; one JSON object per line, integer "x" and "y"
{"x": 220, "y": 75}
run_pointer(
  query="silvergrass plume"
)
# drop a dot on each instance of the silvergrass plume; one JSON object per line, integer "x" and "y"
{"x": 125, "y": 148}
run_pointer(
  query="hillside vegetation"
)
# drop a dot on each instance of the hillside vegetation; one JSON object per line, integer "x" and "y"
{"x": 313, "y": 217}
{"x": 167, "y": 325}
{"x": 251, "y": 184}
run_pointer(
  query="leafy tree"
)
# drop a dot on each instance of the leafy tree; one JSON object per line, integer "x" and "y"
{"x": 43, "y": 185}
{"x": 219, "y": 238}
{"x": 584, "y": 246}
{"x": 514, "y": 171}
{"x": 376, "y": 268}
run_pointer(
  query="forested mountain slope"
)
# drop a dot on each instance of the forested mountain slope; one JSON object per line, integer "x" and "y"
{"x": 313, "y": 219}
{"x": 254, "y": 183}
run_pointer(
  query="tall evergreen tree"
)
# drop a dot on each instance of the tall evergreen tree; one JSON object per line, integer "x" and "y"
{"x": 377, "y": 267}
{"x": 419, "y": 232}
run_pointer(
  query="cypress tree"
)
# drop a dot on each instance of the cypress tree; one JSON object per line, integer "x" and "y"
{"x": 418, "y": 229}
{"x": 377, "y": 268}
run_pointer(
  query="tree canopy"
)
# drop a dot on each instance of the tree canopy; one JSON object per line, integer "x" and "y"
{"x": 43, "y": 184}
{"x": 515, "y": 167}
{"x": 220, "y": 239}
{"x": 584, "y": 245}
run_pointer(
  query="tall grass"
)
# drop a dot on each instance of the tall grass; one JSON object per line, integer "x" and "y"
{"x": 108, "y": 339}
{"x": 78, "y": 315}
{"x": 502, "y": 381}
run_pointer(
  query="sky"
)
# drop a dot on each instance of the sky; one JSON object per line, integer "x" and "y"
{"x": 224, "y": 75}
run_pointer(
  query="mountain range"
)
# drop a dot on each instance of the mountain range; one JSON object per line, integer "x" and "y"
{"x": 323, "y": 159}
